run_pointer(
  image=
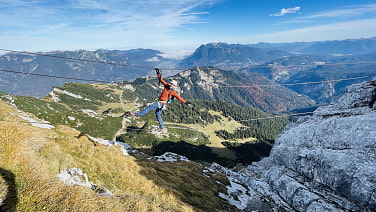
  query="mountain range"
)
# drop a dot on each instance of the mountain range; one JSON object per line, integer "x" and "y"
{"x": 225, "y": 55}
{"x": 334, "y": 47}
{"x": 335, "y": 64}
{"x": 75, "y": 65}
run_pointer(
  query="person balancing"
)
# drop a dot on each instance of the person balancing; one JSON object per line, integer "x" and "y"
{"x": 168, "y": 94}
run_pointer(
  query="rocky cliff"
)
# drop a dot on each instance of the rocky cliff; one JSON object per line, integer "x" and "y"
{"x": 324, "y": 162}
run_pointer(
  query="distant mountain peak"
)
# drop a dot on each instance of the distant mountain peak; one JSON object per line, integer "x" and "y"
{"x": 224, "y": 55}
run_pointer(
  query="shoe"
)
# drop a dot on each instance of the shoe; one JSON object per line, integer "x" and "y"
{"x": 162, "y": 129}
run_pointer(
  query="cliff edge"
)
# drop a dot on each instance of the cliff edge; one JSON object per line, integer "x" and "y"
{"x": 323, "y": 162}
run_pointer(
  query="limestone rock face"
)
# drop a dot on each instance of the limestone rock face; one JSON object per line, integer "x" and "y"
{"x": 324, "y": 162}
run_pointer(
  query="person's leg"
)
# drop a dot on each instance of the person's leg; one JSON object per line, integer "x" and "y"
{"x": 158, "y": 113}
{"x": 153, "y": 106}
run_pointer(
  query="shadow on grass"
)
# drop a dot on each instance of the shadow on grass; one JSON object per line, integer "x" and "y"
{"x": 245, "y": 153}
{"x": 134, "y": 129}
{"x": 10, "y": 202}
{"x": 191, "y": 182}
{"x": 192, "y": 152}
{"x": 188, "y": 181}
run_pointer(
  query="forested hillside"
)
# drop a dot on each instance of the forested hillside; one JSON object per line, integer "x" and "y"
{"x": 216, "y": 128}
{"x": 334, "y": 78}
{"x": 208, "y": 83}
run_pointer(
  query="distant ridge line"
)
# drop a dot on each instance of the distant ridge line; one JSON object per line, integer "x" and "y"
{"x": 224, "y": 86}
{"x": 170, "y": 69}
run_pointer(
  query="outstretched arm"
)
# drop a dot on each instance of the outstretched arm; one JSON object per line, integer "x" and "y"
{"x": 189, "y": 104}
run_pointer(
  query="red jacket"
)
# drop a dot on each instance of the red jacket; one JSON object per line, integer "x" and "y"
{"x": 168, "y": 93}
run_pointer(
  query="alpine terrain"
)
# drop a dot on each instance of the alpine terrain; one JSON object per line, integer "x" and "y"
{"x": 273, "y": 127}
{"x": 323, "y": 162}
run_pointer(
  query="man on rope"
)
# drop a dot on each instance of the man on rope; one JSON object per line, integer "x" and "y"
{"x": 167, "y": 95}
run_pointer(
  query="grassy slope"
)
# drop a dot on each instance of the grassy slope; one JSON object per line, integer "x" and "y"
{"x": 99, "y": 98}
{"x": 215, "y": 141}
{"x": 32, "y": 157}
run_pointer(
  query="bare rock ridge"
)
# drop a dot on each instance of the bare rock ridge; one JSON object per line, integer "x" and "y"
{"x": 323, "y": 162}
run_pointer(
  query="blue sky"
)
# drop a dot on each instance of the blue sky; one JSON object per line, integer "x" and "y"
{"x": 178, "y": 27}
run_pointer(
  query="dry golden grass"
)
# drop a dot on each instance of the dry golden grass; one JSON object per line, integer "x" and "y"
{"x": 35, "y": 156}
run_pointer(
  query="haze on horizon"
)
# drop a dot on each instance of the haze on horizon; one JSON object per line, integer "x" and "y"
{"x": 177, "y": 28}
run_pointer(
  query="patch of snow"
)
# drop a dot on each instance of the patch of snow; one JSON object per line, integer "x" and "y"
{"x": 10, "y": 100}
{"x": 220, "y": 169}
{"x": 109, "y": 96}
{"x": 70, "y": 94}
{"x": 75, "y": 176}
{"x": 91, "y": 113}
{"x": 123, "y": 149}
{"x": 193, "y": 139}
{"x": 129, "y": 87}
{"x": 35, "y": 123}
{"x": 71, "y": 118}
{"x": 238, "y": 194}
{"x": 54, "y": 97}
{"x": 169, "y": 157}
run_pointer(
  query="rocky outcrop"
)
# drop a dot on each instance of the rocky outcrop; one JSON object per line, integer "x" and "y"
{"x": 75, "y": 177}
{"x": 324, "y": 162}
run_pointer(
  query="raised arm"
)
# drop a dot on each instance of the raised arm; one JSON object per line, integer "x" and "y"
{"x": 158, "y": 71}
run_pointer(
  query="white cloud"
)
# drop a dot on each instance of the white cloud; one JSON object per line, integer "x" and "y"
{"x": 95, "y": 23}
{"x": 40, "y": 25}
{"x": 158, "y": 13}
{"x": 164, "y": 15}
{"x": 337, "y": 31}
{"x": 343, "y": 13}
{"x": 285, "y": 11}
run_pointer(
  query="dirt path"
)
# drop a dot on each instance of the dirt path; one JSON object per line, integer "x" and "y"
{"x": 123, "y": 128}
{"x": 123, "y": 122}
